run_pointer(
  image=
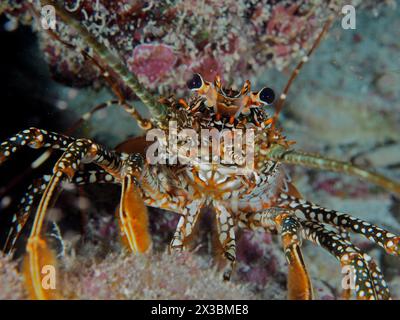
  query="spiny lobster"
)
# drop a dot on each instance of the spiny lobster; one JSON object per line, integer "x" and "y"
{"x": 261, "y": 198}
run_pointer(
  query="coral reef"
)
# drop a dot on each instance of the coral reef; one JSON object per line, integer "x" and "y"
{"x": 152, "y": 276}
{"x": 159, "y": 276}
{"x": 11, "y": 282}
{"x": 342, "y": 105}
{"x": 235, "y": 39}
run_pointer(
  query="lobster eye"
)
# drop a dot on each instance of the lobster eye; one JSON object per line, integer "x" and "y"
{"x": 267, "y": 95}
{"x": 195, "y": 83}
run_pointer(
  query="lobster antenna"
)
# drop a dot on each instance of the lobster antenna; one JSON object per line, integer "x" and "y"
{"x": 282, "y": 98}
{"x": 158, "y": 110}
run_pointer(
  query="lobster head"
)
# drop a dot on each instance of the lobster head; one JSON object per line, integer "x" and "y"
{"x": 228, "y": 102}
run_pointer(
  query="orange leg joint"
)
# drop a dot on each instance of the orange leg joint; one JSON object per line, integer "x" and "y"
{"x": 299, "y": 284}
{"x": 133, "y": 218}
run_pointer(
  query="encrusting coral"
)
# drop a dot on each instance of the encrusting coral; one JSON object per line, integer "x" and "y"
{"x": 11, "y": 282}
{"x": 121, "y": 276}
{"x": 165, "y": 41}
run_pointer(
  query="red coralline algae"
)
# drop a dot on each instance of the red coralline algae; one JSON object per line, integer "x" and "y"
{"x": 152, "y": 61}
{"x": 283, "y": 21}
{"x": 208, "y": 67}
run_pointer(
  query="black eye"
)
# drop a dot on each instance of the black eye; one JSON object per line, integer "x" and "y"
{"x": 195, "y": 83}
{"x": 267, "y": 95}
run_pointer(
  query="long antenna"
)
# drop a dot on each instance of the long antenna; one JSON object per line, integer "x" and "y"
{"x": 282, "y": 98}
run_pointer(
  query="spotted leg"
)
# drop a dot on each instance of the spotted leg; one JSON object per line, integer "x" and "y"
{"x": 38, "y": 254}
{"x": 361, "y": 270}
{"x": 312, "y": 212}
{"x": 34, "y": 138}
{"x": 186, "y": 224}
{"x": 226, "y": 236}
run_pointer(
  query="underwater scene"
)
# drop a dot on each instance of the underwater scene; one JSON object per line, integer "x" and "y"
{"x": 189, "y": 150}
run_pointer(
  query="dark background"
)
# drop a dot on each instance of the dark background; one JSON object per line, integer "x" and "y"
{"x": 27, "y": 99}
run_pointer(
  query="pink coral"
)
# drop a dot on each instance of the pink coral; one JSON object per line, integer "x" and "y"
{"x": 209, "y": 67}
{"x": 284, "y": 21}
{"x": 152, "y": 61}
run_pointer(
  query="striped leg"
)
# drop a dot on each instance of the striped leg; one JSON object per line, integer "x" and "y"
{"x": 38, "y": 254}
{"x": 289, "y": 227}
{"x": 142, "y": 122}
{"x": 36, "y": 189}
{"x": 226, "y": 236}
{"x": 313, "y": 212}
{"x": 186, "y": 224}
{"x": 380, "y": 284}
{"x": 362, "y": 270}
{"x": 133, "y": 217}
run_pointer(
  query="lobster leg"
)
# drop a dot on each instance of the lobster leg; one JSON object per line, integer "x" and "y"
{"x": 132, "y": 211}
{"x": 39, "y": 257}
{"x": 143, "y": 123}
{"x": 368, "y": 280}
{"x": 226, "y": 236}
{"x": 38, "y": 254}
{"x": 36, "y": 189}
{"x": 77, "y": 151}
{"x": 23, "y": 212}
{"x": 105, "y": 72}
{"x": 299, "y": 284}
{"x": 289, "y": 227}
{"x": 313, "y": 212}
{"x": 34, "y": 138}
{"x": 186, "y": 224}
